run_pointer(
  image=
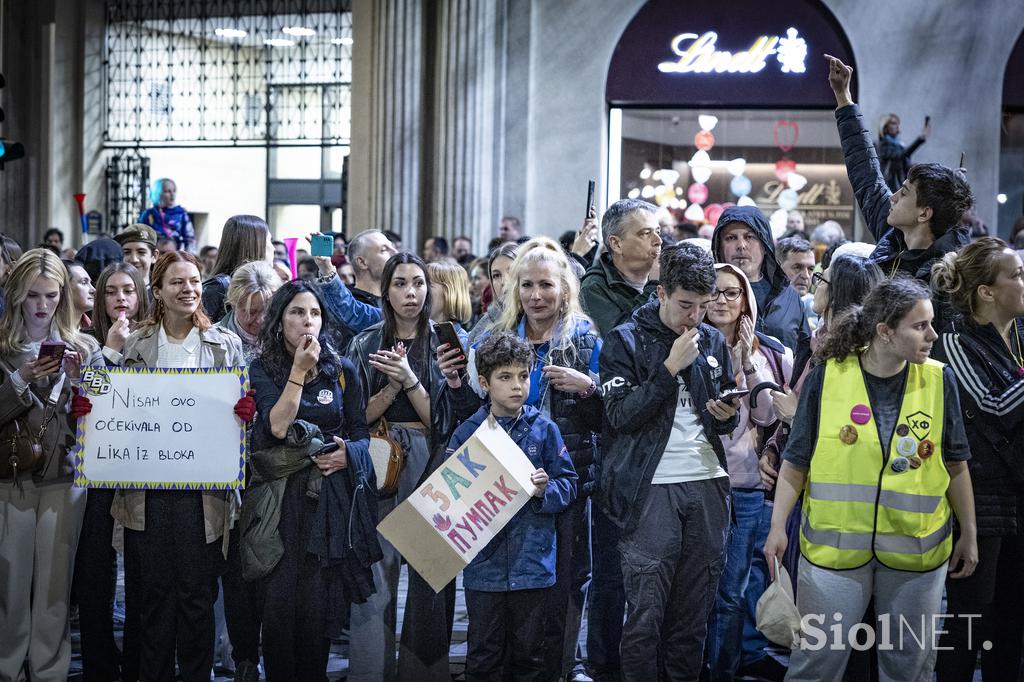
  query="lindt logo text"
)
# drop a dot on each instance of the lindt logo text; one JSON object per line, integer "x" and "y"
{"x": 698, "y": 54}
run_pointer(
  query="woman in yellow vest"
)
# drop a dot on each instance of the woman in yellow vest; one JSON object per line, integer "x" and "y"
{"x": 879, "y": 450}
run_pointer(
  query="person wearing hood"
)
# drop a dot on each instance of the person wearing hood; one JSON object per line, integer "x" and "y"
{"x": 756, "y": 358}
{"x": 744, "y": 239}
{"x": 620, "y": 281}
{"x": 916, "y": 224}
{"x": 663, "y": 471}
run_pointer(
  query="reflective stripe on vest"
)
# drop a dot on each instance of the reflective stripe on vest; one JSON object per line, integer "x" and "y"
{"x": 857, "y": 507}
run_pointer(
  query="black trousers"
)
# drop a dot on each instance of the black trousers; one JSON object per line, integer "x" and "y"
{"x": 671, "y": 563}
{"x": 994, "y": 591}
{"x": 175, "y": 567}
{"x": 241, "y": 612}
{"x": 426, "y": 631}
{"x": 506, "y": 635}
{"x": 564, "y": 604}
{"x": 94, "y": 586}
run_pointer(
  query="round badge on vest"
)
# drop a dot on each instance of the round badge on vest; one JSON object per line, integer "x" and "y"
{"x": 712, "y": 361}
{"x": 860, "y": 414}
{"x": 325, "y": 396}
{"x": 915, "y": 462}
{"x": 899, "y": 464}
{"x": 848, "y": 434}
{"x": 902, "y": 430}
{"x": 906, "y": 446}
{"x": 926, "y": 449}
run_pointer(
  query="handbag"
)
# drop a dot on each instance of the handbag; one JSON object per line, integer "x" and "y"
{"x": 777, "y": 617}
{"x": 19, "y": 450}
{"x": 388, "y": 457}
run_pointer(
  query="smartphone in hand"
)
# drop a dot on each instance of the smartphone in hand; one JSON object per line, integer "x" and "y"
{"x": 446, "y": 334}
{"x": 732, "y": 396}
{"x": 322, "y": 245}
{"x": 50, "y": 350}
{"x": 591, "y": 187}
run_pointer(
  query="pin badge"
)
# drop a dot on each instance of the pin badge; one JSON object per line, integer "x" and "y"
{"x": 712, "y": 361}
{"x": 899, "y": 464}
{"x": 325, "y": 397}
{"x": 915, "y": 462}
{"x": 906, "y": 446}
{"x": 902, "y": 430}
{"x": 926, "y": 449}
{"x": 860, "y": 414}
{"x": 848, "y": 434}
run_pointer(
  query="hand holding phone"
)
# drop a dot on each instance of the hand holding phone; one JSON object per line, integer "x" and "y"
{"x": 591, "y": 188}
{"x": 322, "y": 245}
{"x": 446, "y": 334}
{"x": 732, "y": 396}
{"x": 51, "y": 350}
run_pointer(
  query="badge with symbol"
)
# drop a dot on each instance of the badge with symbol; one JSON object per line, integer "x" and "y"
{"x": 915, "y": 462}
{"x": 325, "y": 397}
{"x": 899, "y": 464}
{"x": 926, "y": 449}
{"x": 848, "y": 434}
{"x": 906, "y": 446}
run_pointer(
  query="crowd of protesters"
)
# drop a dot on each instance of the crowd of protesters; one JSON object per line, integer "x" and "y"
{"x": 697, "y": 414}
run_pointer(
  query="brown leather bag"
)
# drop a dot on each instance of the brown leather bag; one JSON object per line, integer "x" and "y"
{"x": 388, "y": 458}
{"x": 19, "y": 452}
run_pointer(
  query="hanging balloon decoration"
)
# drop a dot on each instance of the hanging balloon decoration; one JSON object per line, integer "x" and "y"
{"x": 704, "y": 140}
{"x": 712, "y": 212}
{"x": 697, "y": 193}
{"x": 786, "y": 134}
{"x": 694, "y": 213}
{"x": 788, "y": 199}
{"x": 740, "y": 186}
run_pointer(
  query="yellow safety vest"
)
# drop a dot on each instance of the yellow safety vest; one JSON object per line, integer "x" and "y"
{"x": 859, "y": 505}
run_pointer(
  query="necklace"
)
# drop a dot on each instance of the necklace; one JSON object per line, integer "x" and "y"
{"x": 895, "y": 266}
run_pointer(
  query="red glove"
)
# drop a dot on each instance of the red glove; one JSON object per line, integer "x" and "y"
{"x": 245, "y": 408}
{"x": 80, "y": 405}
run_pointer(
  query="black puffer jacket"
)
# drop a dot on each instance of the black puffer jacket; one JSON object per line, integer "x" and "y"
{"x": 992, "y": 400}
{"x": 640, "y": 398}
{"x": 783, "y": 315}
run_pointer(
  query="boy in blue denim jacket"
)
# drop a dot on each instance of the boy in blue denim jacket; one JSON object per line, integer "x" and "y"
{"x": 506, "y": 583}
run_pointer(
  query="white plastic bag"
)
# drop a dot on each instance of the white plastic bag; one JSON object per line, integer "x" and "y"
{"x": 777, "y": 616}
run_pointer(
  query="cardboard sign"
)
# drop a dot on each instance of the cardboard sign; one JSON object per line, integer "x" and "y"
{"x": 161, "y": 428}
{"x": 445, "y": 523}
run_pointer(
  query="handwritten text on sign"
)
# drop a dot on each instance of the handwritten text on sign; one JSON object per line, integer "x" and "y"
{"x": 445, "y": 523}
{"x": 160, "y": 428}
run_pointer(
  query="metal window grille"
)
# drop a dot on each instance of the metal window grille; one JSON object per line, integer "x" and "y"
{"x": 181, "y": 73}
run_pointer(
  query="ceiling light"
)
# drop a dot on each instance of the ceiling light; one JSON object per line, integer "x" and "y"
{"x": 1001, "y": 198}
{"x": 300, "y": 31}
{"x": 279, "y": 42}
{"x": 341, "y": 41}
{"x": 230, "y": 33}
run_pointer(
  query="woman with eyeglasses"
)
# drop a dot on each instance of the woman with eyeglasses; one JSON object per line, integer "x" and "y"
{"x": 756, "y": 358}
{"x": 541, "y": 305}
{"x": 879, "y": 449}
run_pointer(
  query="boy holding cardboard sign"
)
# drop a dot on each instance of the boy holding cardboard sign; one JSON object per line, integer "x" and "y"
{"x": 507, "y": 582}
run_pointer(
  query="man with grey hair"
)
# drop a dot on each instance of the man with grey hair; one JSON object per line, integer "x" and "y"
{"x": 368, "y": 252}
{"x": 619, "y": 282}
{"x": 615, "y": 286}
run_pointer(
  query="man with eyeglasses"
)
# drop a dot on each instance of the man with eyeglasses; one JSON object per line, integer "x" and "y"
{"x": 663, "y": 479}
{"x": 743, "y": 238}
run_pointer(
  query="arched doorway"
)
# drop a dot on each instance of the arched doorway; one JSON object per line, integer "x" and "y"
{"x": 712, "y": 102}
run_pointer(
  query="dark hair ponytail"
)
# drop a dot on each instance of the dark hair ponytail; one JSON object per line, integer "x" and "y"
{"x": 887, "y": 304}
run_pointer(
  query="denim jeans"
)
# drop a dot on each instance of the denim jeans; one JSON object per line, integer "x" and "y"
{"x": 726, "y": 633}
{"x": 754, "y": 643}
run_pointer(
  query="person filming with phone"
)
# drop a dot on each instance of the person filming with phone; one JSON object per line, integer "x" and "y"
{"x": 756, "y": 358}
{"x": 41, "y": 353}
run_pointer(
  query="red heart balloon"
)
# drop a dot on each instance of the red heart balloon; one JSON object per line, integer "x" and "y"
{"x": 786, "y": 135}
{"x": 783, "y": 167}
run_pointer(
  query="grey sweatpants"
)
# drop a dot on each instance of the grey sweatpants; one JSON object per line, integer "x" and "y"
{"x": 832, "y": 602}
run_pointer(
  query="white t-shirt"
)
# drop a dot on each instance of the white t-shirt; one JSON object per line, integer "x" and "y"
{"x": 688, "y": 454}
{"x": 184, "y": 355}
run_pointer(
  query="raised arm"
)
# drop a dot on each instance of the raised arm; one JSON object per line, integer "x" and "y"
{"x": 859, "y": 152}
{"x": 354, "y": 314}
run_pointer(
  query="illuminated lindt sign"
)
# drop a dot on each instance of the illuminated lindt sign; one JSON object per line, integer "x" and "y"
{"x": 697, "y": 54}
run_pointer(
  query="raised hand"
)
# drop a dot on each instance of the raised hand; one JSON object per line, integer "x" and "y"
{"x": 839, "y": 76}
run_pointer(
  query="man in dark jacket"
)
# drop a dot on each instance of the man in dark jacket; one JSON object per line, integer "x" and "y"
{"x": 619, "y": 282}
{"x": 743, "y": 238}
{"x": 663, "y": 475}
{"x": 916, "y": 225}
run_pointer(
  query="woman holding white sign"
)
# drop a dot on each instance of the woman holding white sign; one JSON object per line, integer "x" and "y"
{"x": 41, "y": 351}
{"x": 308, "y": 395}
{"x": 416, "y": 384}
{"x": 171, "y": 535}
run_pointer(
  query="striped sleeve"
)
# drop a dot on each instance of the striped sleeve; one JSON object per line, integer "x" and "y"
{"x": 963, "y": 362}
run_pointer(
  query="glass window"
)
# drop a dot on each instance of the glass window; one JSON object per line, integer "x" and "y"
{"x": 294, "y": 220}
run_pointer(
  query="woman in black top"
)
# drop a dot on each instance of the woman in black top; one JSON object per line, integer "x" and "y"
{"x": 419, "y": 387}
{"x": 985, "y": 284}
{"x": 245, "y": 238}
{"x": 302, "y": 384}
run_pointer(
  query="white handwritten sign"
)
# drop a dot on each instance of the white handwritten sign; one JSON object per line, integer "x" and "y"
{"x": 161, "y": 428}
{"x": 445, "y": 523}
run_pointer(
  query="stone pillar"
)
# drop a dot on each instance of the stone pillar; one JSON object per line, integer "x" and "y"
{"x": 387, "y": 99}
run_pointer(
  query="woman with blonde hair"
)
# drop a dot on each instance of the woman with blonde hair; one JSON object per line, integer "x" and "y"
{"x": 41, "y": 511}
{"x": 249, "y": 292}
{"x": 449, "y": 293}
{"x": 983, "y": 346}
{"x": 541, "y": 305}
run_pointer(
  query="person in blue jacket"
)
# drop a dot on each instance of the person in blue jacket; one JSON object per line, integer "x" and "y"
{"x": 168, "y": 219}
{"x": 508, "y": 582}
